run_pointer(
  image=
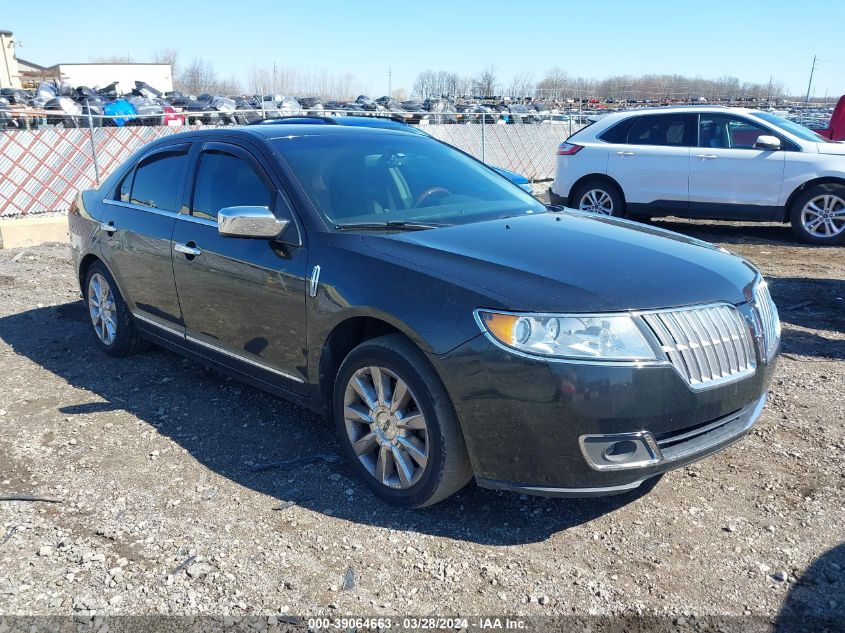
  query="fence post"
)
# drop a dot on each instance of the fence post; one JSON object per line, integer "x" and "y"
{"x": 93, "y": 144}
{"x": 483, "y": 119}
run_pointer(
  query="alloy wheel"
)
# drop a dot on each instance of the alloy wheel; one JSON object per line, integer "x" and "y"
{"x": 824, "y": 216}
{"x": 386, "y": 427}
{"x": 101, "y": 307}
{"x": 596, "y": 201}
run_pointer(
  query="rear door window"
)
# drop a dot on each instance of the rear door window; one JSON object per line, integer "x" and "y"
{"x": 158, "y": 180}
{"x": 225, "y": 180}
{"x": 662, "y": 129}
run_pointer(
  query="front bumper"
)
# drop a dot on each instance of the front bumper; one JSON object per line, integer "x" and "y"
{"x": 523, "y": 419}
{"x": 560, "y": 201}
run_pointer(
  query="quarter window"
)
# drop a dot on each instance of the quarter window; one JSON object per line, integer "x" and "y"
{"x": 158, "y": 181}
{"x": 224, "y": 180}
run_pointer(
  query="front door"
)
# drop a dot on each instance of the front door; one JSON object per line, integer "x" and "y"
{"x": 729, "y": 178}
{"x": 243, "y": 300}
{"x": 136, "y": 229}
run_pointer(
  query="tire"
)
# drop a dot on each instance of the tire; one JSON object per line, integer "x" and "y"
{"x": 818, "y": 215}
{"x": 122, "y": 338}
{"x": 598, "y": 196}
{"x": 446, "y": 467}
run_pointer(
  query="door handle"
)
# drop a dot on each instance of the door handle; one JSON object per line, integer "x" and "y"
{"x": 706, "y": 156}
{"x": 187, "y": 249}
{"x": 625, "y": 153}
{"x": 108, "y": 227}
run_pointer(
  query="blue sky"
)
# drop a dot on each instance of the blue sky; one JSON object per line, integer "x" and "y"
{"x": 749, "y": 39}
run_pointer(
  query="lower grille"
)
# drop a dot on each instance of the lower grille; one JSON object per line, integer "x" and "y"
{"x": 708, "y": 345}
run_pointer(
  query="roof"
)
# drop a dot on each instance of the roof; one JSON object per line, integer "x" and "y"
{"x": 29, "y": 64}
{"x": 5, "y": 32}
{"x": 289, "y": 130}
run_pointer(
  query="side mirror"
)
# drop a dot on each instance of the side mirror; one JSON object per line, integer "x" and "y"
{"x": 767, "y": 142}
{"x": 254, "y": 222}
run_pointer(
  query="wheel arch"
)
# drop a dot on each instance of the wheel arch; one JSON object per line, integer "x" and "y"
{"x": 823, "y": 180}
{"x": 595, "y": 176}
{"x": 342, "y": 339}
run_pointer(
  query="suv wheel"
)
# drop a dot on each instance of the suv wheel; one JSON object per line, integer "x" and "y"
{"x": 110, "y": 317}
{"x": 598, "y": 196}
{"x": 396, "y": 424}
{"x": 818, "y": 215}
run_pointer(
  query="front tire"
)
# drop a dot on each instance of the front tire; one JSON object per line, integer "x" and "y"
{"x": 396, "y": 424}
{"x": 113, "y": 326}
{"x": 598, "y": 196}
{"x": 818, "y": 215}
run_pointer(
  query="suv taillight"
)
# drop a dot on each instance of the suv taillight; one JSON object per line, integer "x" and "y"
{"x": 568, "y": 149}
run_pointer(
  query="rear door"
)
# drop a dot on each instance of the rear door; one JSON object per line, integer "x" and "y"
{"x": 730, "y": 179}
{"x": 136, "y": 230}
{"x": 651, "y": 162}
{"x": 243, "y": 299}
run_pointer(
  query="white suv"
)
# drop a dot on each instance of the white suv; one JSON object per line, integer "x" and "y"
{"x": 706, "y": 162}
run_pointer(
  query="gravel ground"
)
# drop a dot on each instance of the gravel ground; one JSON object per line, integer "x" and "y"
{"x": 164, "y": 507}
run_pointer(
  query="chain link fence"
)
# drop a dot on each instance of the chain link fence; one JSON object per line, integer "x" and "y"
{"x": 42, "y": 170}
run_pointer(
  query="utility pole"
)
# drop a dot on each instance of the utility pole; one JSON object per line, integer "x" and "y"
{"x": 809, "y": 85}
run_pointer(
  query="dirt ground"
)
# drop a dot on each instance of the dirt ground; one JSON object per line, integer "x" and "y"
{"x": 163, "y": 507}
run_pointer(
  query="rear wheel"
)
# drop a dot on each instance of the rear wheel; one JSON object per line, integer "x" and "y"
{"x": 818, "y": 215}
{"x": 598, "y": 196}
{"x": 113, "y": 326}
{"x": 396, "y": 424}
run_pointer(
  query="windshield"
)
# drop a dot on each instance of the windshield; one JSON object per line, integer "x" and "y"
{"x": 792, "y": 127}
{"x": 381, "y": 178}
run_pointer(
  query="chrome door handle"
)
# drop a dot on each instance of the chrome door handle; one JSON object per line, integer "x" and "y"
{"x": 625, "y": 153}
{"x": 108, "y": 227}
{"x": 187, "y": 250}
{"x": 706, "y": 156}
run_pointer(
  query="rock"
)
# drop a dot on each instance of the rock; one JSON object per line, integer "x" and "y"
{"x": 543, "y": 600}
{"x": 780, "y": 576}
{"x": 199, "y": 570}
{"x": 114, "y": 600}
{"x": 730, "y": 528}
{"x": 45, "y": 550}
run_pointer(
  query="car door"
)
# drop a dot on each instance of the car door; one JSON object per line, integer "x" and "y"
{"x": 729, "y": 178}
{"x": 651, "y": 162}
{"x": 243, "y": 300}
{"x": 136, "y": 230}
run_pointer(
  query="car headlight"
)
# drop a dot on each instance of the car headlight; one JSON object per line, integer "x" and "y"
{"x": 576, "y": 336}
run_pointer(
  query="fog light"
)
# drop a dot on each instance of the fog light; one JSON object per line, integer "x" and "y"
{"x": 620, "y": 451}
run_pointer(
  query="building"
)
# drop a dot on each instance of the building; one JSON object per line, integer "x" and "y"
{"x": 20, "y": 73}
{"x": 95, "y": 75}
{"x": 9, "y": 73}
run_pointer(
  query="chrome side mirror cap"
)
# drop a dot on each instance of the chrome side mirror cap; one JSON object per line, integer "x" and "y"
{"x": 767, "y": 142}
{"x": 250, "y": 222}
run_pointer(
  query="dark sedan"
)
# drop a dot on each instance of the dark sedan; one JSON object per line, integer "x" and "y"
{"x": 450, "y": 324}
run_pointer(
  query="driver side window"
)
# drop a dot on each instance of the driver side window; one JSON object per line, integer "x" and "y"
{"x": 224, "y": 180}
{"x": 728, "y": 132}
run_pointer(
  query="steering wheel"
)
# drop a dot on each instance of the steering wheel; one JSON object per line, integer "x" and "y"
{"x": 425, "y": 195}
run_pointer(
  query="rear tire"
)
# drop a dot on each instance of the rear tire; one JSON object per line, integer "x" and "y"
{"x": 818, "y": 215}
{"x": 600, "y": 197}
{"x": 114, "y": 328}
{"x": 412, "y": 464}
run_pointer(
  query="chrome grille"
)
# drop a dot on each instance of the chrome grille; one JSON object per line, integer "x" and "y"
{"x": 708, "y": 345}
{"x": 769, "y": 319}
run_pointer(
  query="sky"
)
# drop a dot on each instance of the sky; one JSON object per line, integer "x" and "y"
{"x": 749, "y": 39}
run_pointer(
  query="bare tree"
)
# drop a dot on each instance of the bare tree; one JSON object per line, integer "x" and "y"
{"x": 553, "y": 85}
{"x": 167, "y": 56}
{"x": 112, "y": 59}
{"x": 198, "y": 77}
{"x": 522, "y": 86}
{"x": 485, "y": 83}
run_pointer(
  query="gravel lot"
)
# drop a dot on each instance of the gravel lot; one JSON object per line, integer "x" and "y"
{"x": 164, "y": 508}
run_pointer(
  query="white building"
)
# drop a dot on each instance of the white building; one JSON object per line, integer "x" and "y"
{"x": 159, "y": 76}
{"x": 9, "y": 74}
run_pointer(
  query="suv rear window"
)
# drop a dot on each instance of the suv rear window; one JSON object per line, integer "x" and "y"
{"x": 676, "y": 129}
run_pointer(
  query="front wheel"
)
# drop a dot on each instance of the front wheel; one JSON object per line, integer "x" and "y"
{"x": 598, "y": 196}
{"x": 818, "y": 215}
{"x": 396, "y": 424}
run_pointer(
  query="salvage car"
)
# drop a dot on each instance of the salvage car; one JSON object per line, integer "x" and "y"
{"x": 451, "y": 325}
{"x": 707, "y": 162}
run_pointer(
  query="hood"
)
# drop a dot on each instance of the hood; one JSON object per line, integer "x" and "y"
{"x": 571, "y": 262}
{"x": 837, "y": 149}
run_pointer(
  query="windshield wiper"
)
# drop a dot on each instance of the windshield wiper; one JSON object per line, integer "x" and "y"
{"x": 390, "y": 225}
